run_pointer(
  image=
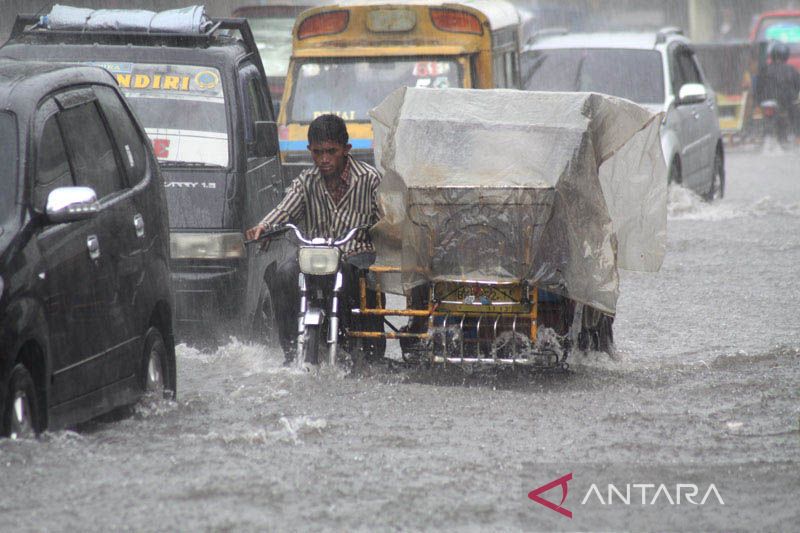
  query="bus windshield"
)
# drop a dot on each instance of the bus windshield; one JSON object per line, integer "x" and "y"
{"x": 350, "y": 88}
{"x": 181, "y": 107}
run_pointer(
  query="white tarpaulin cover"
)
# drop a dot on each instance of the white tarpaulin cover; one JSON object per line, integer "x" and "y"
{"x": 190, "y": 19}
{"x": 488, "y": 185}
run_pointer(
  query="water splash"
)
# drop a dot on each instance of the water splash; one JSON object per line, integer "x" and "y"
{"x": 683, "y": 204}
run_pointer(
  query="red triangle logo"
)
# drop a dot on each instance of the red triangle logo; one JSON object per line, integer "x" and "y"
{"x": 562, "y": 481}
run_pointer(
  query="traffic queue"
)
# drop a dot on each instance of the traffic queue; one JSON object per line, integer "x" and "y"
{"x": 103, "y": 271}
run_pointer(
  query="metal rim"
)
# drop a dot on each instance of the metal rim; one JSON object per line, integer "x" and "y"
{"x": 155, "y": 377}
{"x": 21, "y": 421}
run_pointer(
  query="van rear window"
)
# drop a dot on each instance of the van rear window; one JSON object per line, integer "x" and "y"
{"x": 182, "y": 109}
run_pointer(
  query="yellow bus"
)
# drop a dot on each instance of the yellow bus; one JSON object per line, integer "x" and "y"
{"x": 347, "y": 57}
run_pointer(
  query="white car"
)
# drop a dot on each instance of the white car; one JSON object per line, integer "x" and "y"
{"x": 658, "y": 70}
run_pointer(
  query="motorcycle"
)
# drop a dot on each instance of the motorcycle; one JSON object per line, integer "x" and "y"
{"x": 321, "y": 283}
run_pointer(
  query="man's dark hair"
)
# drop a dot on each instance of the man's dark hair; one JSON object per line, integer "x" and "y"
{"x": 328, "y": 128}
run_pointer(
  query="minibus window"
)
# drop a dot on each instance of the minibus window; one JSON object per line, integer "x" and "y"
{"x": 351, "y": 88}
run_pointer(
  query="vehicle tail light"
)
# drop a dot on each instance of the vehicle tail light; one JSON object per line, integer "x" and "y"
{"x": 456, "y": 21}
{"x": 326, "y": 23}
{"x": 283, "y": 133}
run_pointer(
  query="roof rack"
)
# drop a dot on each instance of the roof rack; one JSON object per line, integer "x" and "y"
{"x": 31, "y": 25}
{"x": 546, "y": 32}
{"x": 28, "y": 25}
{"x": 663, "y": 33}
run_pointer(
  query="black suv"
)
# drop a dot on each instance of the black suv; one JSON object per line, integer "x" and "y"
{"x": 202, "y": 97}
{"x": 85, "y": 305}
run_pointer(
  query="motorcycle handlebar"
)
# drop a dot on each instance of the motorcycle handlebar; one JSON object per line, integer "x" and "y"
{"x": 266, "y": 235}
{"x": 336, "y": 242}
{"x": 350, "y": 234}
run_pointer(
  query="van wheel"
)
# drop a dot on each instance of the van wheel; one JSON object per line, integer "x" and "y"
{"x": 155, "y": 370}
{"x": 21, "y": 416}
{"x": 263, "y": 328}
{"x": 675, "y": 172}
{"x": 717, "y": 189}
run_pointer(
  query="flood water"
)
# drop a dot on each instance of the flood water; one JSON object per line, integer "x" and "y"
{"x": 704, "y": 389}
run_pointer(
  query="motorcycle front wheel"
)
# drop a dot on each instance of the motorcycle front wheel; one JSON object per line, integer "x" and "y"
{"x": 311, "y": 344}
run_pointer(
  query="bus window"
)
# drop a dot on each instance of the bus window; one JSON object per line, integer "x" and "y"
{"x": 350, "y": 88}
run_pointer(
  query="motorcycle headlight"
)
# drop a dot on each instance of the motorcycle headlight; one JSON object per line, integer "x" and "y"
{"x": 206, "y": 245}
{"x": 318, "y": 261}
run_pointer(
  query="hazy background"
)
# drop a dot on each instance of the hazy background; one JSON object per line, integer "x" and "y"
{"x": 703, "y": 20}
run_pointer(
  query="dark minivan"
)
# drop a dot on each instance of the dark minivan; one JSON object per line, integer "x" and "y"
{"x": 85, "y": 303}
{"x": 198, "y": 87}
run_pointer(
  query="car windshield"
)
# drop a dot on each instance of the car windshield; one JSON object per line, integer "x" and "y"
{"x": 633, "y": 74}
{"x": 784, "y": 29}
{"x": 273, "y": 37}
{"x": 351, "y": 88}
{"x": 181, "y": 107}
{"x": 8, "y": 168}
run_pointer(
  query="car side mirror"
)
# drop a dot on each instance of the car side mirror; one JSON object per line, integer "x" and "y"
{"x": 692, "y": 93}
{"x": 267, "y": 143}
{"x": 69, "y": 204}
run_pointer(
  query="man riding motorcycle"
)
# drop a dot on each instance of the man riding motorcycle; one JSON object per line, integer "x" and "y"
{"x": 780, "y": 83}
{"x": 335, "y": 195}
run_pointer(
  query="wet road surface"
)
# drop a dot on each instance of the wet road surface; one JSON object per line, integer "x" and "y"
{"x": 704, "y": 389}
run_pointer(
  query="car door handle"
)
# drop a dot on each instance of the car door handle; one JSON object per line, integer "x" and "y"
{"x": 93, "y": 244}
{"x": 696, "y": 115}
{"x": 138, "y": 224}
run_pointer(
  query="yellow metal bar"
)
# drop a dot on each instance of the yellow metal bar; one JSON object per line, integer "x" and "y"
{"x": 393, "y": 312}
{"x": 429, "y": 312}
{"x": 387, "y": 335}
{"x": 362, "y": 291}
{"x": 384, "y": 269}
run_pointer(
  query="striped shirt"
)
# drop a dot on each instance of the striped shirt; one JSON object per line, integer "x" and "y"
{"x": 308, "y": 200}
{"x": 338, "y": 188}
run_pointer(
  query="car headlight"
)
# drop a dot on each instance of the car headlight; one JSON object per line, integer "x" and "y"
{"x": 318, "y": 261}
{"x": 206, "y": 245}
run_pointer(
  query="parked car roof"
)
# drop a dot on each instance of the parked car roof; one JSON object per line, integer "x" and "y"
{"x": 23, "y": 82}
{"x": 636, "y": 40}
